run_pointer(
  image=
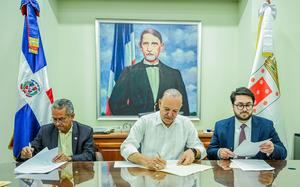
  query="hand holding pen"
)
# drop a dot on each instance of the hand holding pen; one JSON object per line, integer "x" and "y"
{"x": 27, "y": 152}
{"x": 159, "y": 162}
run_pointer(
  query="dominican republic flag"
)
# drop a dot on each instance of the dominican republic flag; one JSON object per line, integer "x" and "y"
{"x": 123, "y": 55}
{"x": 34, "y": 94}
{"x": 264, "y": 79}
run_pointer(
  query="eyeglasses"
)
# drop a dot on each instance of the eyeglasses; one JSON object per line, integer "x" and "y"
{"x": 241, "y": 106}
{"x": 59, "y": 120}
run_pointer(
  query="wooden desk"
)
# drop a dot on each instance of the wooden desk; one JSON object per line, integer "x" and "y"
{"x": 104, "y": 174}
{"x": 109, "y": 144}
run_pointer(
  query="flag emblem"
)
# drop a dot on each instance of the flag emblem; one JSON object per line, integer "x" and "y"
{"x": 30, "y": 88}
{"x": 264, "y": 84}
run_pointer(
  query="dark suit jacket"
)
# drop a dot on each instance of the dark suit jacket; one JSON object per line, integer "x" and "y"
{"x": 132, "y": 93}
{"x": 261, "y": 129}
{"x": 82, "y": 141}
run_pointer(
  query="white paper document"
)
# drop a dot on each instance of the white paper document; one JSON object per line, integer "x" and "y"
{"x": 252, "y": 164}
{"x": 40, "y": 163}
{"x": 171, "y": 167}
{"x": 185, "y": 170}
{"x": 249, "y": 149}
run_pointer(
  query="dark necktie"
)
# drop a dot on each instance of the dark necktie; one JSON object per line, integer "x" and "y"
{"x": 155, "y": 65}
{"x": 242, "y": 133}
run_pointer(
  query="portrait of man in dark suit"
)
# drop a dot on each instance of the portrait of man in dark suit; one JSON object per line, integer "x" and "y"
{"x": 141, "y": 85}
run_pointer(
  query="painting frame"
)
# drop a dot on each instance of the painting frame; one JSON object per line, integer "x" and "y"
{"x": 187, "y": 34}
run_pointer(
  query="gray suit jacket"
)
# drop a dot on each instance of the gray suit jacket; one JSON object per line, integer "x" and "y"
{"x": 82, "y": 141}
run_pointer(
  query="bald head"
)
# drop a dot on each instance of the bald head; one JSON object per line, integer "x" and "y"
{"x": 172, "y": 93}
{"x": 170, "y": 105}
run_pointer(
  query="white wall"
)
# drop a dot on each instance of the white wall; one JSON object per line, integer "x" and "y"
{"x": 228, "y": 35}
{"x": 287, "y": 40}
{"x": 9, "y": 60}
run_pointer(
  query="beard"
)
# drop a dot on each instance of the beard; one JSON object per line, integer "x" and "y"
{"x": 242, "y": 116}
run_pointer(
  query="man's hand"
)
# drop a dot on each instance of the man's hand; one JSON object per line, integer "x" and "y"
{"x": 186, "y": 158}
{"x": 61, "y": 158}
{"x": 152, "y": 163}
{"x": 267, "y": 147}
{"x": 225, "y": 153}
{"x": 27, "y": 152}
{"x": 155, "y": 163}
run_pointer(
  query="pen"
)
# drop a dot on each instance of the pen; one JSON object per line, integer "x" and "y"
{"x": 29, "y": 145}
{"x": 158, "y": 155}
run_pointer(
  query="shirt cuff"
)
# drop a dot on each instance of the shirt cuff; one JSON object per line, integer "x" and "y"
{"x": 203, "y": 153}
{"x": 218, "y": 153}
{"x": 128, "y": 150}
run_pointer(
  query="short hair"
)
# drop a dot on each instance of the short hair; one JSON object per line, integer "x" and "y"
{"x": 153, "y": 32}
{"x": 242, "y": 91}
{"x": 64, "y": 103}
{"x": 172, "y": 92}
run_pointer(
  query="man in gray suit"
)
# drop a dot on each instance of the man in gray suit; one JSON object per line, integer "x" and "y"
{"x": 74, "y": 140}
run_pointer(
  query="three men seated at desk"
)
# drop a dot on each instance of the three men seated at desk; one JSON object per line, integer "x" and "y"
{"x": 163, "y": 135}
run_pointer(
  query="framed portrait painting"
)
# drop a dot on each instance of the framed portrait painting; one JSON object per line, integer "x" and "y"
{"x": 137, "y": 60}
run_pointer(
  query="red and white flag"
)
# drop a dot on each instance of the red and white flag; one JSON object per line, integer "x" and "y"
{"x": 264, "y": 79}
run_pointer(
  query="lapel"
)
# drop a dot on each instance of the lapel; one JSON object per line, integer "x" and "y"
{"x": 74, "y": 137}
{"x": 230, "y": 127}
{"x": 255, "y": 132}
{"x": 54, "y": 137}
{"x": 162, "y": 80}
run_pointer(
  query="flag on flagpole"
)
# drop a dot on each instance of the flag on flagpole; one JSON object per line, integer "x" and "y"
{"x": 123, "y": 55}
{"x": 34, "y": 94}
{"x": 264, "y": 79}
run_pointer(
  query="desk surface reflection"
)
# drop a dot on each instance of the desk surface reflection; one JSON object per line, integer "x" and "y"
{"x": 103, "y": 174}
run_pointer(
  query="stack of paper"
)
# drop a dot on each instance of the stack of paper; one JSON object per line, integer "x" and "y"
{"x": 40, "y": 163}
{"x": 252, "y": 165}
